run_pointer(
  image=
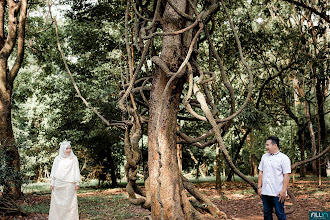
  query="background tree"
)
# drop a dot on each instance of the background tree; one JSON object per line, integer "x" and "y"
{"x": 46, "y": 109}
{"x": 12, "y": 31}
{"x": 185, "y": 69}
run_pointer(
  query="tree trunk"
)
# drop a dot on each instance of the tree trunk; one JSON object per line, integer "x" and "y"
{"x": 112, "y": 171}
{"x": 239, "y": 147}
{"x": 199, "y": 167}
{"x": 165, "y": 181}
{"x": 166, "y": 187}
{"x": 14, "y": 36}
{"x": 12, "y": 187}
{"x": 252, "y": 158}
{"x": 301, "y": 138}
{"x": 168, "y": 196}
{"x": 218, "y": 167}
{"x": 321, "y": 93}
{"x": 310, "y": 125}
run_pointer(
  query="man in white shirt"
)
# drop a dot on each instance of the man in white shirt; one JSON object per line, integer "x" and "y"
{"x": 273, "y": 180}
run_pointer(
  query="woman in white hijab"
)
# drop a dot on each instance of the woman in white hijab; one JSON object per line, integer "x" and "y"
{"x": 65, "y": 179}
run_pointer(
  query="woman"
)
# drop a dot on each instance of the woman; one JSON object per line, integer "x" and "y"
{"x": 65, "y": 179}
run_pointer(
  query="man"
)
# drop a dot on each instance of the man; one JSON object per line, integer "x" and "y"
{"x": 273, "y": 180}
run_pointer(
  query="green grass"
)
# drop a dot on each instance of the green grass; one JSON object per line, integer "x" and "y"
{"x": 94, "y": 207}
{"x": 93, "y": 204}
{"x": 106, "y": 207}
{"x": 96, "y": 203}
{"x": 36, "y": 188}
{"x": 37, "y": 208}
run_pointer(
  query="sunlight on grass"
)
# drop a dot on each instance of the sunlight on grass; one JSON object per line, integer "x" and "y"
{"x": 211, "y": 179}
{"x": 38, "y": 188}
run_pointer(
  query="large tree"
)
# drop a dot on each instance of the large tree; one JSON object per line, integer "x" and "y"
{"x": 170, "y": 33}
{"x": 12, "y": 33}
{"x": 176, "y": 63}
{"x": 169, "y": 78}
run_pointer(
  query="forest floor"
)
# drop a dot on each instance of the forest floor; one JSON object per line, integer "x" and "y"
{"x": 236, "y": 199}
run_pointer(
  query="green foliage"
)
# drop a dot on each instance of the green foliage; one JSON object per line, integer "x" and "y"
{"x": 46, "y": 109}
{"x": 8, "y": 175}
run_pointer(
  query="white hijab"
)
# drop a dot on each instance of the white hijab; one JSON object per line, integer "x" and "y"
{"x": 62, "y": 152}
{"x": 66, "y": 167}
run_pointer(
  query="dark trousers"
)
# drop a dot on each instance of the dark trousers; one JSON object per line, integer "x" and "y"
{"x": 269, "y": 203}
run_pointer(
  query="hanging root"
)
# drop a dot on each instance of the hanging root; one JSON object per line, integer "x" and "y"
{"x": 209, "y": 206}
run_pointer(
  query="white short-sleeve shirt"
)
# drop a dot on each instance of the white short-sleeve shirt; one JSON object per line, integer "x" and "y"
{"x": 274, "y": 166}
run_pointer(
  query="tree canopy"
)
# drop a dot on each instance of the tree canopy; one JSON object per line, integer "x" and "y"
{"x": 183, "y": 86}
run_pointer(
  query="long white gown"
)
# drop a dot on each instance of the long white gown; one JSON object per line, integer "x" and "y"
{"x": 63, "y": 204}
{"x": 65, "y": 176}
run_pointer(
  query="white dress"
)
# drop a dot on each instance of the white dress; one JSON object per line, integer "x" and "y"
{"x": 65, "y": 176}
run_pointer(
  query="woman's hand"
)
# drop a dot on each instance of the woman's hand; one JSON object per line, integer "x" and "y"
{"x": 76, "y": 187}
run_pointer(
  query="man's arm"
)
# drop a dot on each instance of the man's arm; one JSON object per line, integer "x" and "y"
{"x": 260, "y": 182}
{"x": 282, "y": 194}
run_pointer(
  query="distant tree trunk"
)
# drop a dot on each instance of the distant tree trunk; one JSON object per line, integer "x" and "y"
{"x": 39, "y": 174}
{"x": 13, "y": 185}
{"x": 252, "y": 158}
{"x": 199, "y": 169}
{"x": 301, "y": 138}
{"x": 292, "y": 155}
{"x": 218, "y": 168}
{"x": 112, "y": 171}
{"x": 321, "y": 92}
{"x": 310, "y": 125}
{"x": 238, "y": 150}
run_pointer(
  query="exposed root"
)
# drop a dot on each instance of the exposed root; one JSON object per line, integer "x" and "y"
{"x": 202, "y": 198}
{"x": 190, "y": 212}
{"x": 294, "y": 202}
{"x": 9, "y": 207}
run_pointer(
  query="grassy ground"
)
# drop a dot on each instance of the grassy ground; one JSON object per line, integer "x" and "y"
{"x": 236, "y": 198}
{"x": 94, "y": 203}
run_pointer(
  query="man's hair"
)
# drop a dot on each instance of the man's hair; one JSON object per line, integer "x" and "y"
{"x": 274, "y": 140}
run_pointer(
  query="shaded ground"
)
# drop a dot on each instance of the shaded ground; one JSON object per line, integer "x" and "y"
{"x": 236, "y": 199}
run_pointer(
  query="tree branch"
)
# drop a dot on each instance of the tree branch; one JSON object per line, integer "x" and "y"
{"x": 70, "y": 74}
{"x": 20, "y": 43}
{"x": 310, "y": 159}
{"x": 322, "y": 15}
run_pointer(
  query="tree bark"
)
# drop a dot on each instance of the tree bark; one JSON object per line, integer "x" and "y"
{"x": 12, "y": 186}
{"x": 165, "y": 182}
{"x": 168, "y": 196}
